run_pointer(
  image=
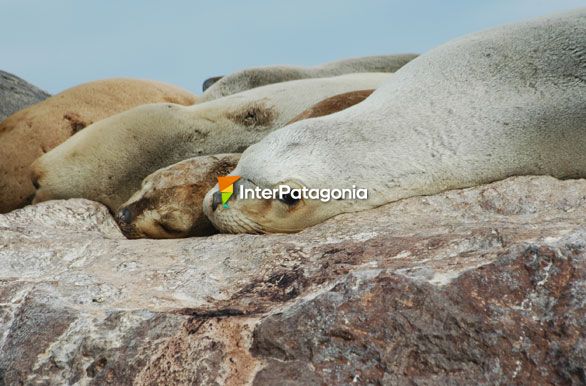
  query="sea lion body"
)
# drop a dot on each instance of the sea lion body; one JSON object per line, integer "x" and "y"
{"x": 503, "y": 102}
{"x": 29, "y": 133}
{"x": 107, "y": 161}
{"x": 169, "y": 203}
{"x": 250, "y": 78}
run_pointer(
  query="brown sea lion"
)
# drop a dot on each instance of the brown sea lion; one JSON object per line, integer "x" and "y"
{"x": 169, "y": 203}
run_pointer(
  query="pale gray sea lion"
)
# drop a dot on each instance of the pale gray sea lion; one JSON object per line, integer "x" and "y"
{"x": 503, "y": 102}
{"x": 250, "y": 78}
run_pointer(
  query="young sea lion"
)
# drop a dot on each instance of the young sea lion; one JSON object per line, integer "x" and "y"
{"x": 169, "y": 203}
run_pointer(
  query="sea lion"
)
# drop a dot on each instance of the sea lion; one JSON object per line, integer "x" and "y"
{"x": 107, "y": 161}
{"x": 29, "y": 133}
{"x": 16, "y": 94}
{"x": 333, "y": 105}
{"x": 255, "y": 77}
{"x": 169, "y": 203}
{"x": 504, "y": 102}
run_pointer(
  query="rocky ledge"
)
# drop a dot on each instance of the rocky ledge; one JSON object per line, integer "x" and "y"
{"x": 477, "y": 286}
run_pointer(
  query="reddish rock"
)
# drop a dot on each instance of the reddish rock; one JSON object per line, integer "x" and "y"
{"x": 521, "y": 319}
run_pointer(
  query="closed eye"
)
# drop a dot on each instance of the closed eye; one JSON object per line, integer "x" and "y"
{"x": 169, "y": 229}
{"x": 288, "y": 199}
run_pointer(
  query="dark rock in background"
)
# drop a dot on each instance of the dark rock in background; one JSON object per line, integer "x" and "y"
{"x": 16, "y": 94}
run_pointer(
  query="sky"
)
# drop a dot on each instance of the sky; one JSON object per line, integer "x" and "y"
{"x": 57, "y": 44}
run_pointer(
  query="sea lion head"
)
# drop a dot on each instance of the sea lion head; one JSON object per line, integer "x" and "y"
{"x": 288, "y": 157}
{"x": 285, "y": 214}
{"x": 108, "y": 160}
{"x": 162, "y": 214}
{"x": 169, "y": 203}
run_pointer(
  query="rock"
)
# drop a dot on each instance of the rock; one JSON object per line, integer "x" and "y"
{"x": 16, "y": 94}
{"x": 483, "y": 285}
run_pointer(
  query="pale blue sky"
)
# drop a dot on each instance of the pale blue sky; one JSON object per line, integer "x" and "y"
{"x": 56, "y": 44}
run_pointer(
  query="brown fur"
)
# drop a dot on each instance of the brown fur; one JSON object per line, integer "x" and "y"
{"x": 29, "y": 133}
{"x": 170, "y": 203}
{"x": 254, "y": 115}
{"x": 333, "y": 105}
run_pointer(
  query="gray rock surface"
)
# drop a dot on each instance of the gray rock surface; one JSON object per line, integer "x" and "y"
{"x": 476, "y": 286}
{"x": 16, "y": 94}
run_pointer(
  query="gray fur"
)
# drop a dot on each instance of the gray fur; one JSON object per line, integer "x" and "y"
{"x": 256, "y": 77}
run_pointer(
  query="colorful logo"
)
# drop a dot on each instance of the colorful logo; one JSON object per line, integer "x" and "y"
{"x": 226, "y": 184}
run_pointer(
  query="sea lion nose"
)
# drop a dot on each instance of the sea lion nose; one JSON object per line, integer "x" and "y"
{"x": 216, "y": 200}
{"x": 125, "y": 215}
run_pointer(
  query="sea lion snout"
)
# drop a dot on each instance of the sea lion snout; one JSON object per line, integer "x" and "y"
{"x": 36, "y": 177}
{"x": 125, "y": 215}
{"x": 124, "y": 218}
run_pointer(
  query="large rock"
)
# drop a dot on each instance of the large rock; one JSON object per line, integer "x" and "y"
{"x": 484, "y": 285}
{"x": 16, "y": 94}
